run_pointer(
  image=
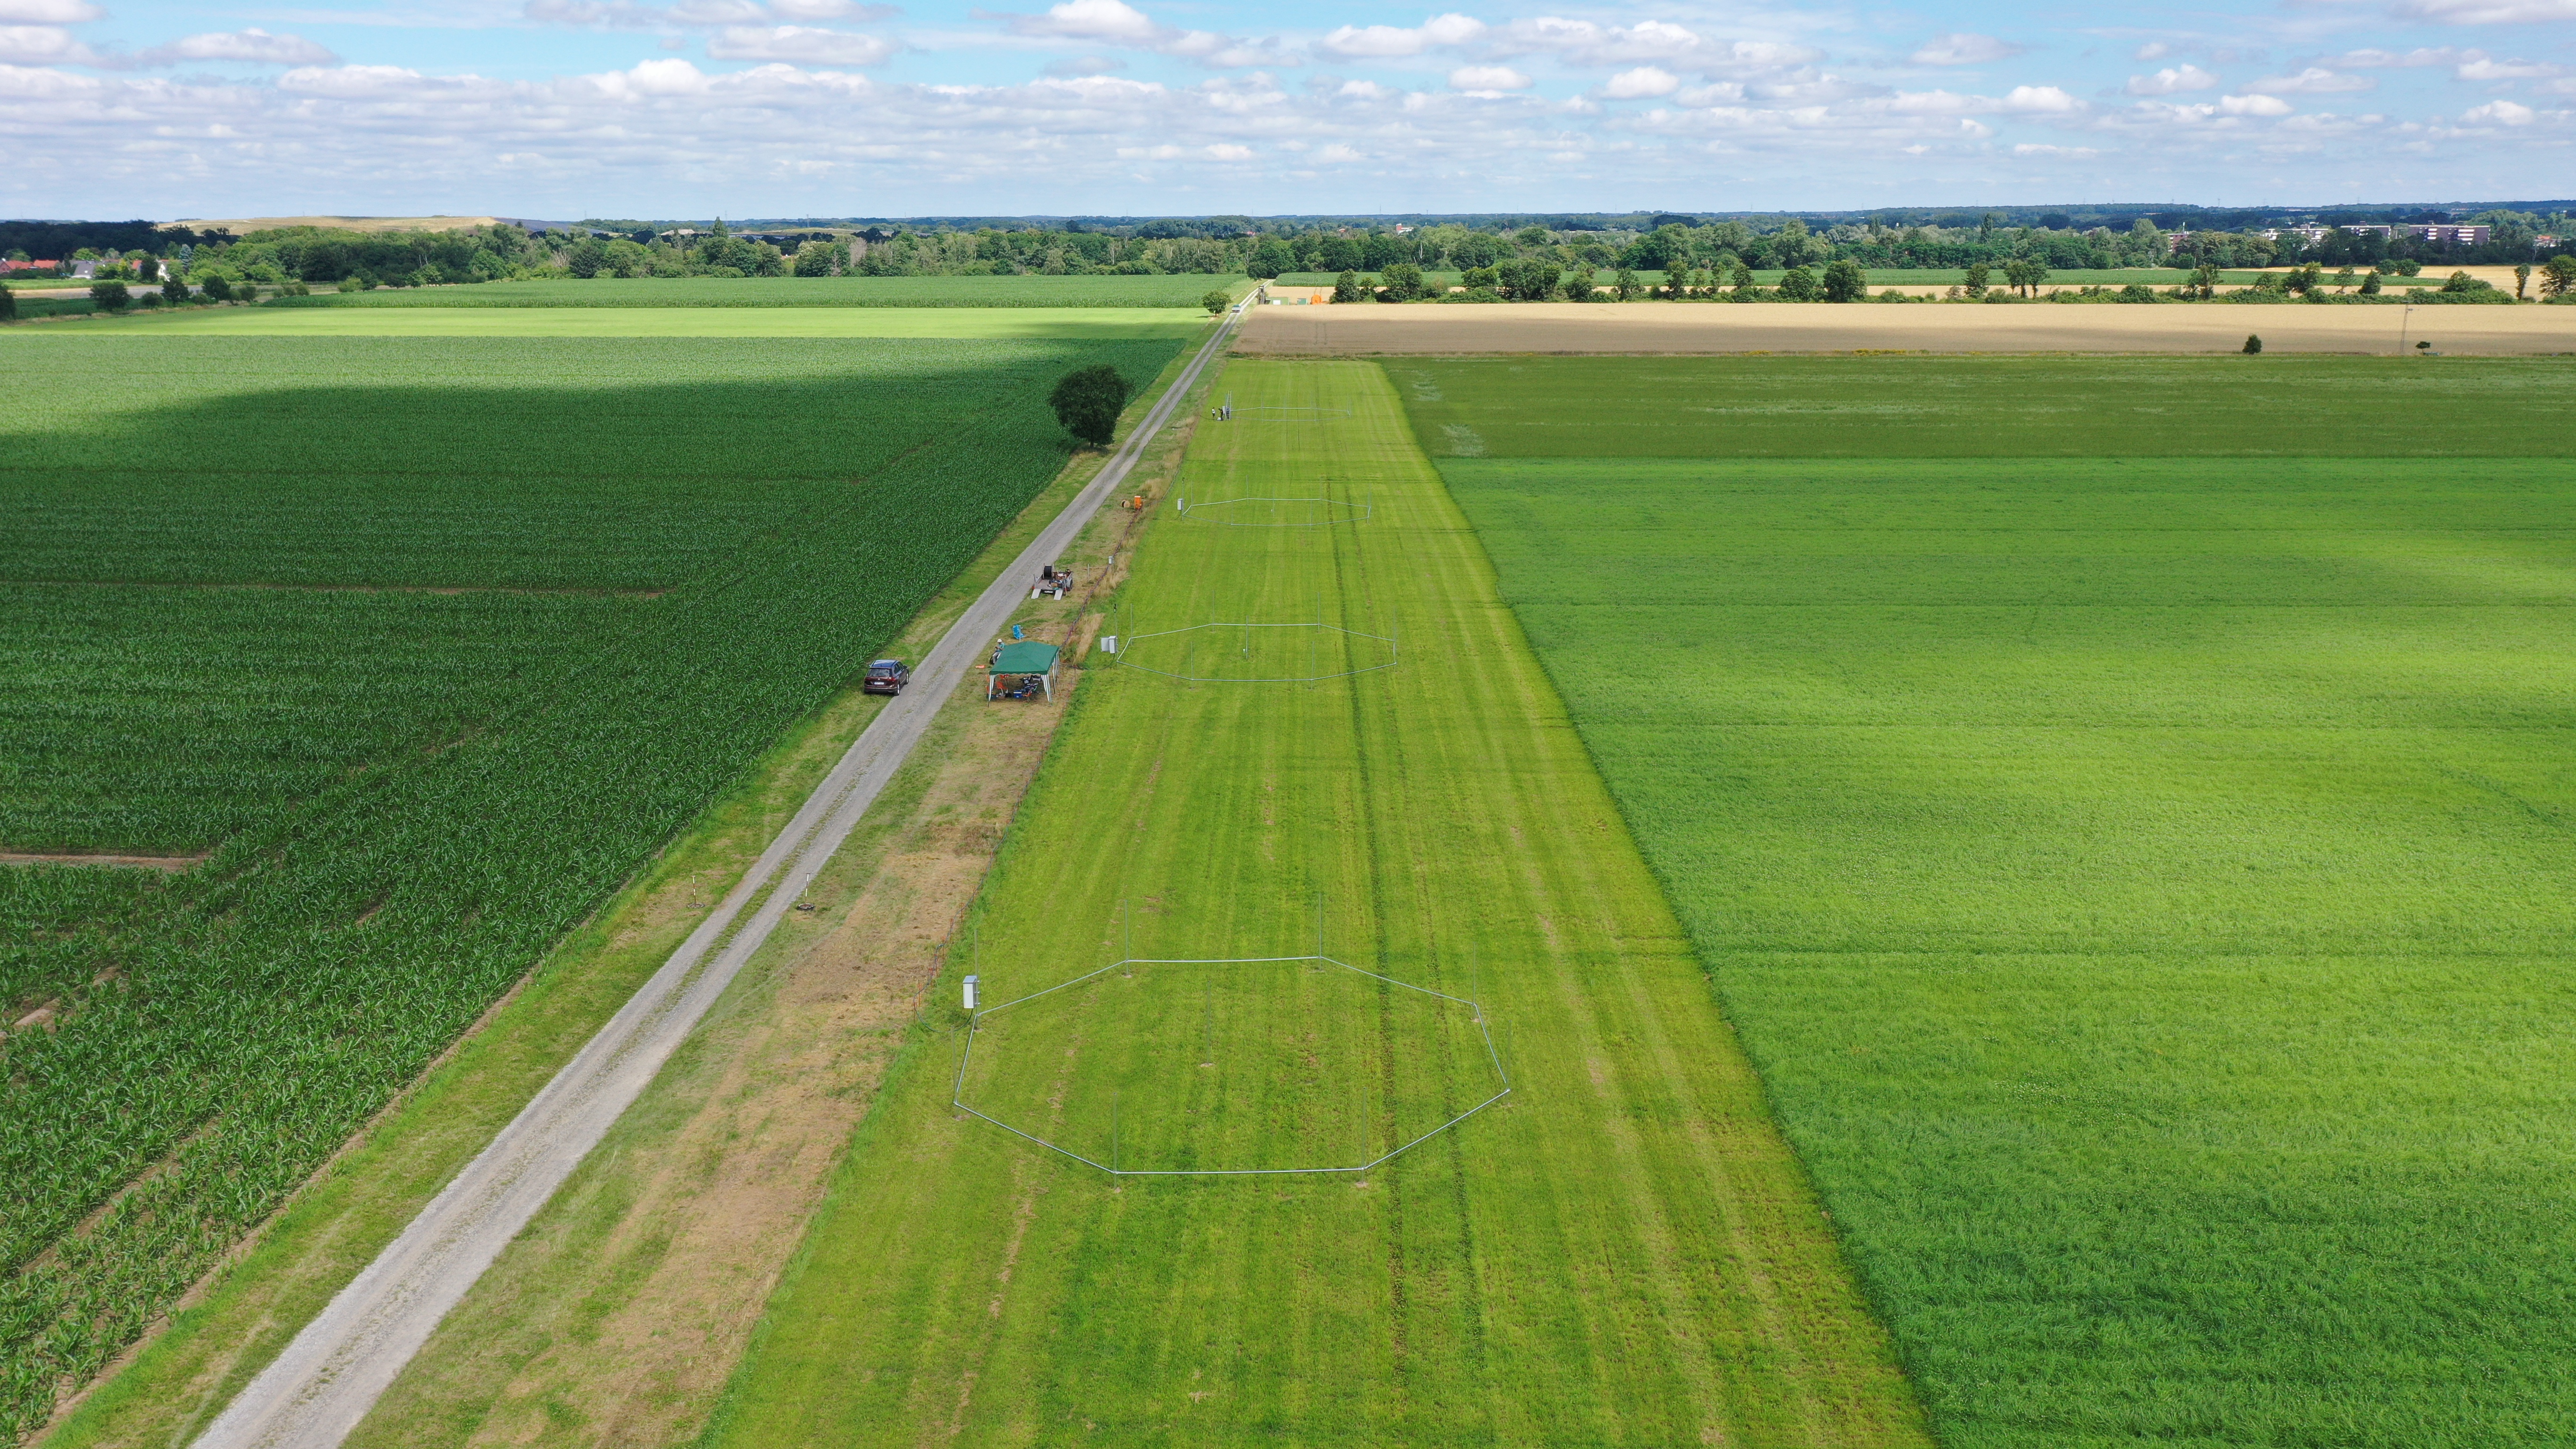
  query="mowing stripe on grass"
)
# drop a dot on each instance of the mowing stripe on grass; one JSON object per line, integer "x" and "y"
{"x": 1621, "y": 1252}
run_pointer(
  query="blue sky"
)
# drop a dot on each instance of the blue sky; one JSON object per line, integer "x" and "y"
{"x": 564, "y": 108}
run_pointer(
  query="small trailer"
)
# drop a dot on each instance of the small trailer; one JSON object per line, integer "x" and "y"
{"x": 1055, "y": 581}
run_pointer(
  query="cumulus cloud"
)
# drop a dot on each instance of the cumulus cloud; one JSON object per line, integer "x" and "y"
{"x": 1645, "y": 80}
{"x": 1229, "y": 153}
{"x": 256, "y": 47}
{"x": 2483, "y": 69}
{"x": 2152, "y": 50}
{"x": 798, "y": 43}
{"x": 1103, "y": 20}
{"x": 2253, "y": 106}
{"x": 41, "y": 45}
{"x": 2313, "y": 81}
{"x": 2185, "y": 77}
{"x": 1963, "y": 49}
{"x": 47, "y": 12}
{"x": 2499, "y": 113}
{"x": 1488, "y": 78}
{"x": 1389, "y": 42}
{"x": 2043, "y": 100}
{"x": 1113, "y": 22}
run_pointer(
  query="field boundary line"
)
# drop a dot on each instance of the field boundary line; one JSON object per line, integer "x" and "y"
{"x": 327, "y": 1379}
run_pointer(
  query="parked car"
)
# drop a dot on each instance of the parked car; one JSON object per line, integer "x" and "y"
{"x": 887, "y": 676}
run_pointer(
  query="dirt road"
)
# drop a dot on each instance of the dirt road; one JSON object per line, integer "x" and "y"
{"x": 1927, "y": 327}
{"x": 326, "y": 1380}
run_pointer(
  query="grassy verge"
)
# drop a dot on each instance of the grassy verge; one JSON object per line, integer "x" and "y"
{"x": 235, "y": 1323}
{"x": 1621, "y": 1252}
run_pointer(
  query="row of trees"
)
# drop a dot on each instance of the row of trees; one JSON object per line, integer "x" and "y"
{"x": 1845, "y": 280}
{"x": 1791, "y": 243}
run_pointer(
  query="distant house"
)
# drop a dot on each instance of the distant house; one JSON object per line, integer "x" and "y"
{"x": 2467, "y": 236}
{"x": 88, "y": 270}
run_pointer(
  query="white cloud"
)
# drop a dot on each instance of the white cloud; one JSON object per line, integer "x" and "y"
{"x": 1085, "y": 65}
{"x": 1645, "y": 80}
{"x": 1389, "y": 42}
{"x": 1229, "y": 153}
{"x": 629, "y": 15}
{"x": 2185, "y": 77}
{"x": 2041, "y": 99}
{"x": 2253, "y": 106}
{"x": 2499, "y": 113}
{"x": 1102, "y": 20}
{"x": 2483, "y": 69}
{"x": 47, "y": 12}
{"x": 1488, "y": 78}
{"x": 41, "y": 45}
{"x": 829, "y": 10}
{"x": 2313, "y": 81}
{"x": 1963, "y": 49}
{"x": 2080, "y": 153}
{"x": 2152, "y": 50}
{"x": 359, "y": 82}
{"x": 1339, "y": 154}
{"x": 2489, "y": 12}
{"x": 254, "y": 46}
{"x": 1113, "y": 22}
{"x": 1665, "y": 45}
{"x": 2395, "y": 60}
{"x": 799, "y": 43}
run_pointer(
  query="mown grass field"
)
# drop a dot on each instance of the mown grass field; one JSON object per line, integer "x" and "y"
{"x": 1031, "y": 324}
{"x": 430, "y": 645}
{"x": 1037, "y": 291}
{"x": 2144, "y": 881}
{"x": 1621, "y": 1252}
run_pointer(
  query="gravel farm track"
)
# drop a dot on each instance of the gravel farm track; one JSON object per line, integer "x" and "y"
{"x": 318, "y": 1390}
{"x": 1908, "y": 327}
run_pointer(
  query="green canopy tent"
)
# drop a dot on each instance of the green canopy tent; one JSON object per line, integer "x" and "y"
{"x": 1027, "y": 657}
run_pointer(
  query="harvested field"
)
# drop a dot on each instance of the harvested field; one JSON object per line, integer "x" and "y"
{"x": 1789, "y": 327}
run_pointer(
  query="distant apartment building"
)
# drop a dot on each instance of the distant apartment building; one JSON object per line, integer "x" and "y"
{"x": 2455, "y": 235}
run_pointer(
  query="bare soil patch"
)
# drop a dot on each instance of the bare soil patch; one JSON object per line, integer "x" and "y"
{"x": 1683, "y": 327}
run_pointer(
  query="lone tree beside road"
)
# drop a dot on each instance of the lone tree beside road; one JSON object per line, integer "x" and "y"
{"x": 1216, "y": 302}
{"x": 2558, "y": 275}
{"x": 111, "y": 296}
{"x": 1088, "y": 402}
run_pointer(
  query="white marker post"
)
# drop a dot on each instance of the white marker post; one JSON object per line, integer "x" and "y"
{"x": 971, "y": 983}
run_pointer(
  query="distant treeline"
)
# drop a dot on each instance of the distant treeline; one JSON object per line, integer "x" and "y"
{"x": 52, "y": 240}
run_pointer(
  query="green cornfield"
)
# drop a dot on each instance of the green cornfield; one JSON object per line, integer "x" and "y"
{"x": 1180, "y": 290}
{"x": 425, "y": 645}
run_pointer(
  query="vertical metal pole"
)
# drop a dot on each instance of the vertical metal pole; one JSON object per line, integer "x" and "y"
{"x": 1113, "y": 1130}
{"x": 1128, "y": 927}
